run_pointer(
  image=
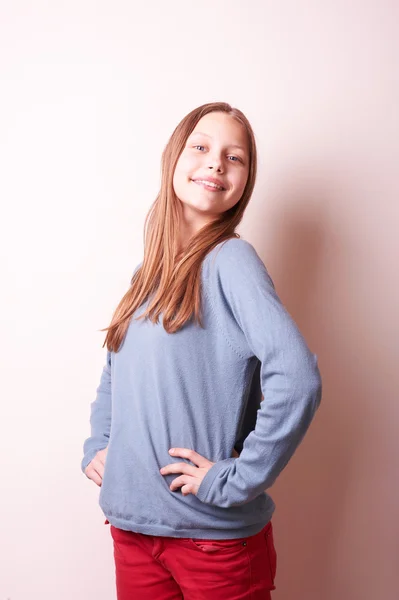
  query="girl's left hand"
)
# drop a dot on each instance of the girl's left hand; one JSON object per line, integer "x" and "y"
{"x": 192, "y": 476}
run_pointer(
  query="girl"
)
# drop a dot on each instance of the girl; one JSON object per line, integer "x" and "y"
{"x": 205, "y": 394}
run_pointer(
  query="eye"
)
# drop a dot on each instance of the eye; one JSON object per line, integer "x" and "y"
{"x": 238, "y": 159}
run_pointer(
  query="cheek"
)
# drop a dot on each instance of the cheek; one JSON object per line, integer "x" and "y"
{"x": 181, "y": 176}
{"x": 239, "y": 182}
{"x": 179, "y": 171}
{"x": 188, "y": 162}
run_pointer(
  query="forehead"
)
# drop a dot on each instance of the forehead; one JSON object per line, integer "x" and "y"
{"x": 224, "y": 127}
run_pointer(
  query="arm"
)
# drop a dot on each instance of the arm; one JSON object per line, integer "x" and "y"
{"x": 290, "y": 379}
{"x": 100, "y": 417}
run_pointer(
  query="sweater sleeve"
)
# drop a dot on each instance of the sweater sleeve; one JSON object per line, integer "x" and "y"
{"x": 100, "y": 416}
{"x": 101, "y": 411}
{"x": 289, "y": 374}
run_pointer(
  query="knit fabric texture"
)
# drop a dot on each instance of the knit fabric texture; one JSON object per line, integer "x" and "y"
{"x": 201, "y": 388}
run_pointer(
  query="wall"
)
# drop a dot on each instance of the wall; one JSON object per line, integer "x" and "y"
{"x": 91, "y": 92}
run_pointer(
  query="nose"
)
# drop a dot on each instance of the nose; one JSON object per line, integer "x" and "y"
{"x": 215, "y": 163}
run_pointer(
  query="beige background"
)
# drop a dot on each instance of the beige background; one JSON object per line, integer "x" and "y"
{"x": 90, "y": 92}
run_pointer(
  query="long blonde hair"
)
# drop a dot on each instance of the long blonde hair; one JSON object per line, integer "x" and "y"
{"x": 170, "y": 275}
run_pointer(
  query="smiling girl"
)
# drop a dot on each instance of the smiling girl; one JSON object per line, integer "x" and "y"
{"x": 207, "y": 390}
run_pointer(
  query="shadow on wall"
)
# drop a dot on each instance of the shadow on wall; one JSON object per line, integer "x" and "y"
{"x": 304, "y": 260}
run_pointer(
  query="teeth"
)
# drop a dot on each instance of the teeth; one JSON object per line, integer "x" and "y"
{"x": 219, "y": 187}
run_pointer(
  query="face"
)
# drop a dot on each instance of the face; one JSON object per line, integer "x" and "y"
{"x": 217, "y": 148}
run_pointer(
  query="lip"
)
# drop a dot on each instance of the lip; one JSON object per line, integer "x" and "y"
{"x": 212, "y": 180}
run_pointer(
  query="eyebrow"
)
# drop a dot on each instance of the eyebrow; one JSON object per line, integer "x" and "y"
{"x": 207, "y": 135}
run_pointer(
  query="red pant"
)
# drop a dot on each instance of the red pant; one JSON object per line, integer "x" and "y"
{"x": 149, "y": 567}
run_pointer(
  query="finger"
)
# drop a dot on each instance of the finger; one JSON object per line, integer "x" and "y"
{"x": 192, "y": 455}
{"x": 188, "y": 489}
{"x": 180, "y": 467}
{"x": 98, "y": 466}
{"x": 179, "y": 481}
{"x": 93, "y": 475}
{"x": 101, "y": 457}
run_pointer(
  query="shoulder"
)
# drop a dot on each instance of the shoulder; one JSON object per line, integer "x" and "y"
{"x": 233, "y": 251}
{"x": 235, "y": 246}
{"x": 237, "y": 260}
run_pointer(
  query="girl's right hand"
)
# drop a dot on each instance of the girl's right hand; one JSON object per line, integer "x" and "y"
{"x": 95, "y": 468}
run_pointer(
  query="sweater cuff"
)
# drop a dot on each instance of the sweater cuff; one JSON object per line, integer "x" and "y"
{"x": 209, "y": 479}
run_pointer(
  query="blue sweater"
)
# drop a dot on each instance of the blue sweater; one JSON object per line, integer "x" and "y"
{"x": 202, "y": 389}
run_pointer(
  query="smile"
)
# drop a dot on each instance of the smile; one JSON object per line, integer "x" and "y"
{"x": 212, "y": 187}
